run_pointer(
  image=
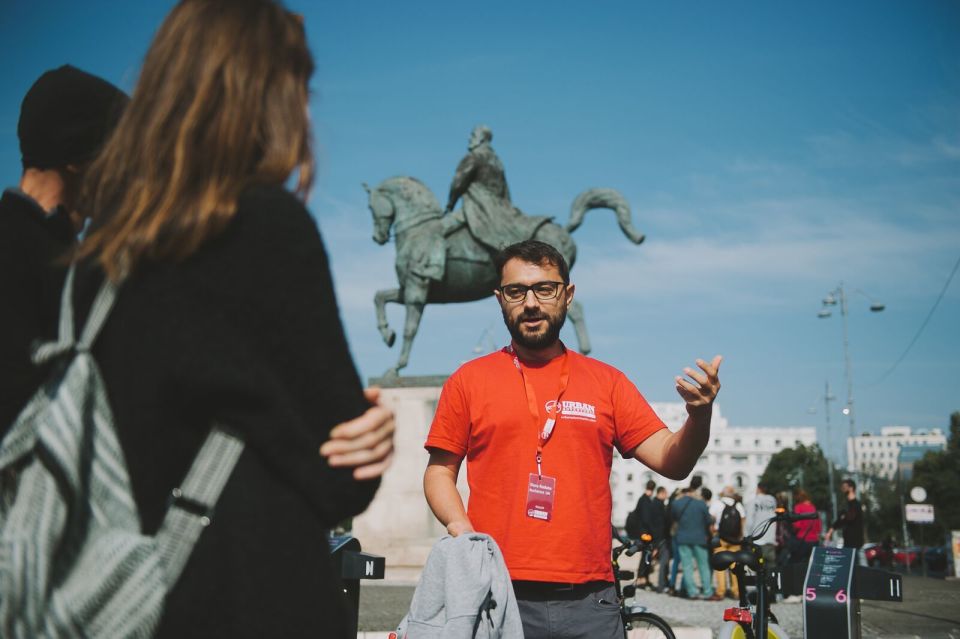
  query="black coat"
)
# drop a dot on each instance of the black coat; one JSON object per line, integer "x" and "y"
{"x": 30, "y": 280}
{"x": 247, "y": 332}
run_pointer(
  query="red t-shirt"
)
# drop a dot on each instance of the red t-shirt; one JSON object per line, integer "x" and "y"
{"x": 483, "y": 414}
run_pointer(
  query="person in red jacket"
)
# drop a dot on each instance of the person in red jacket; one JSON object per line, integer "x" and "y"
{"x": 806, "y": 532}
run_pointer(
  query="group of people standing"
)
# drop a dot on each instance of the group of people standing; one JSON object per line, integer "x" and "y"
{"x": 689, "y": 525}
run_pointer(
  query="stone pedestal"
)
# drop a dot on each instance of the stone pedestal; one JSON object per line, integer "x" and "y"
{"x": 398, "y": 524}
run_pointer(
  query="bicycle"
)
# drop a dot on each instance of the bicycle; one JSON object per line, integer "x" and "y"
{"x": 745, "y": 621}
{"x": 638, "y": 623}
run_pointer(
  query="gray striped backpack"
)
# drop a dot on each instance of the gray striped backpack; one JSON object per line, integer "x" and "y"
{"x": 73, "y": 561}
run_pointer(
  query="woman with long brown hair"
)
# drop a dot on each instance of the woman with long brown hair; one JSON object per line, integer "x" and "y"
{"x": 226, "y": 313}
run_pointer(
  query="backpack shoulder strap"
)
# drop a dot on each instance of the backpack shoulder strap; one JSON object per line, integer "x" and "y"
{"x": 192, "y": 504}
{"x": 66, "y": 335}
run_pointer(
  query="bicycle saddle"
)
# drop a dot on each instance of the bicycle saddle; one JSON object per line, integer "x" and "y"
{"x": 723, "y": 559}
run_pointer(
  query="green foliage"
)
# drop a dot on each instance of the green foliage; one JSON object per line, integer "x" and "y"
{"x": 883, "y": 515}
{"x": 783, "y": 474}
{"x": 939, "y": 474}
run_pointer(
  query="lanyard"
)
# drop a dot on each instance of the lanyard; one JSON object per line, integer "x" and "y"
{"x": 553, "y": 410}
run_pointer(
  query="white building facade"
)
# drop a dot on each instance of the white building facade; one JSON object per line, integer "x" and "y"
{"x": 877, "y": 454}
{"x": 735, "y": 456}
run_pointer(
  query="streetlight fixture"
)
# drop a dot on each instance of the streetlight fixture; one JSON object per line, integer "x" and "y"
{"x": 838, "y": 297}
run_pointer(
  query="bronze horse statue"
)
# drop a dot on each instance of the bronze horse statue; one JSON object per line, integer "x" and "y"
{"x": 438, "y": 268}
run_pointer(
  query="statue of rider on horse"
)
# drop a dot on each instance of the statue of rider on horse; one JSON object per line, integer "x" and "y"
{"x": 446, "y": 256}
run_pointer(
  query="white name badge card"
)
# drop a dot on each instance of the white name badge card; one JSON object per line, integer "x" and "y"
{"x": 540, "y": 493}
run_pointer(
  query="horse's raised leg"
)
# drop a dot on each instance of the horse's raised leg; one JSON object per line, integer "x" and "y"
{"x": 380, "y": 301}
{"x": 415, "y": 298}
{"x": 575, "y": 313}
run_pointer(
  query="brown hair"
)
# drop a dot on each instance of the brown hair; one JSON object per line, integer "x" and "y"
{"x": 221, "y": 104}
{"x": 800, "y": 495}
{"x": 533, "y": 252}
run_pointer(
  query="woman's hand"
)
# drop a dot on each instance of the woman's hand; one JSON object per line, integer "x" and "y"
{"x": 364, "y": 443}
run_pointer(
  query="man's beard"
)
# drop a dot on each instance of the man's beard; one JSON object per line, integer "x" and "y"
{"x": 540, "y": 340}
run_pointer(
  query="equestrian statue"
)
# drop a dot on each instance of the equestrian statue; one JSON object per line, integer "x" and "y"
{"x": 446, "y": 256}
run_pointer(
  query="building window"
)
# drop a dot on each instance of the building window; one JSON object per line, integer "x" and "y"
{"x": 756, "y": 442}
{"x": 720, "y": 479}
{"x": 736, "y": 443}
{"x": 629, "y": 476}
{"x": 716, "y": 442}
{"x": 739, "y": 481}
{"x": 630, "y": 497}
{"x": 776, "y": 443}
{"x": 738, "y": 459}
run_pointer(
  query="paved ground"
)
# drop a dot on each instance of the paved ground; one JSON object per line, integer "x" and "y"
{"x": 931, "y": 610}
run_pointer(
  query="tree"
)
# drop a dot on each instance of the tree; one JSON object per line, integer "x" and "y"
{"x": 881, "y": 498}
{"x": 785, "y": 469}
{"x": 939, "y": 473}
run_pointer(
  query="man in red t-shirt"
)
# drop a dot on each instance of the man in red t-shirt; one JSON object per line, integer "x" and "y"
{"x": 537, "y": 425}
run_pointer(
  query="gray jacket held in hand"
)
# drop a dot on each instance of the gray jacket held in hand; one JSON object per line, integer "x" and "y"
{"x": 464, "y": 592}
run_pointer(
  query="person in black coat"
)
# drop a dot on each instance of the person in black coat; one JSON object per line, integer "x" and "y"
{"x": 64, "y": 118}
{"x": 226, "y": 312}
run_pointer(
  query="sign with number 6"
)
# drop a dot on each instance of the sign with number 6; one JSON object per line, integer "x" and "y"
{"x": 841, "y": 596}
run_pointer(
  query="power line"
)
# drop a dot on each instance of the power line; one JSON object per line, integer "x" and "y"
{"x": 922, "y": 326}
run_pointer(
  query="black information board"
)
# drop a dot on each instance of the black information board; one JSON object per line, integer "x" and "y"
{"x": 830, "y": 609}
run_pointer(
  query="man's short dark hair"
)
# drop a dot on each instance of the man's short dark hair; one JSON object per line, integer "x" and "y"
{"x": 847, "y": 480}
{"x": 706, "y": 493}
{"x": 651, "y": 484}
{"x": 533, "y": 252}
{"x": 696, "y": 482}
{"x": 762, "y": 487}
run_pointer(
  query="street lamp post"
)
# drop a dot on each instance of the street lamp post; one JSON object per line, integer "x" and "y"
{"x": 832, "y": 298}
{"x": 827, "y": 398}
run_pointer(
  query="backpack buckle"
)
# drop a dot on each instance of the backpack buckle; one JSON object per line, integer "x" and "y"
{"x": 192, "y": 506}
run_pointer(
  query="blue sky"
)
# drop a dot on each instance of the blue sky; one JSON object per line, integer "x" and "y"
{"x": 769, "y": 152}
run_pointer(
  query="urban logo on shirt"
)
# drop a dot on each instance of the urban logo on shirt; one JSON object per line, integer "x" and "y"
{"x": 574, "y": 410}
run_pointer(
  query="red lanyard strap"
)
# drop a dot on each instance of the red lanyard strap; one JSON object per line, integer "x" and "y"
{"x": 553, "y": 409}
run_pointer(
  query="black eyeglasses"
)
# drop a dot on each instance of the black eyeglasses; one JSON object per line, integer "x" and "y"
{"x": 545, "y": 291}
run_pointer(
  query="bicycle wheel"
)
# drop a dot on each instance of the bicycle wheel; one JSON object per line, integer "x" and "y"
{"x": 646, "y": 625}
{"x": 733, "y": 630}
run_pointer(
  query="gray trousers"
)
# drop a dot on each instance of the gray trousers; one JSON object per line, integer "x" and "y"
{"x": 569, "y": 611}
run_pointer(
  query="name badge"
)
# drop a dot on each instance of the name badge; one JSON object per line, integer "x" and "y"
{"x": 540, "y": 493}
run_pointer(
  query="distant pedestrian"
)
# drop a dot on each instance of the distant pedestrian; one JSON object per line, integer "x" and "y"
{"x": 760, "y": 509}
{"x": 672, "y": 526}
{"x": 641, "y": 522}
{"x": 850, "y": 521}
{"x": 665, "y": 544}
{"x": 729, "y": 517}
{"x": 784, "y": 534}
{"x": 693, "y": 523}
{"x": 806, "y": 532}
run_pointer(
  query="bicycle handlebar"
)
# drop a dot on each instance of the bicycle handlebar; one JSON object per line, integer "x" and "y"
{"x": 628, "y": 546}
{"x": 780, "y": 516}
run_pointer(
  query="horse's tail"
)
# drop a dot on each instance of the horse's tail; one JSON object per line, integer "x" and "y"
{"x": 604, "y": 199}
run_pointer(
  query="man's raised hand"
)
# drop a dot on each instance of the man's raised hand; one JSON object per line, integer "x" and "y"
{"x": 702, "y": 388}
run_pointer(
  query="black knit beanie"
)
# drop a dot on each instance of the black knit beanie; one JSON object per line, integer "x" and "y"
{"x": 66, "y": 116}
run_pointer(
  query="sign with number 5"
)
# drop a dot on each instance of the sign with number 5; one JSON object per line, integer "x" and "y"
{"x": 810, "y": 594}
